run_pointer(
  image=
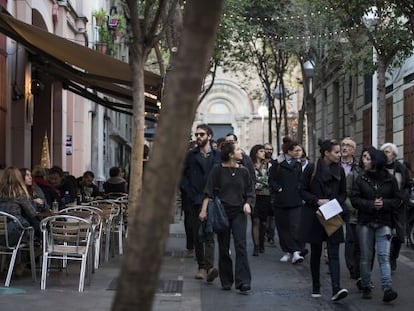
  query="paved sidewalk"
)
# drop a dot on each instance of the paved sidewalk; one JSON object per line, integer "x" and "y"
{"x": 62, "y": 288}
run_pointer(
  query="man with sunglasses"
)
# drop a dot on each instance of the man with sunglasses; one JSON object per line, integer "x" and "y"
{"x": 198, "y": 164}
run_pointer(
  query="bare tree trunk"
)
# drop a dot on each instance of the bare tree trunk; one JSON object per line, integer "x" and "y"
{"x": 381, "y": 100}
{"x": 210, "y": 86}
{"x": 301, "y": 122}
{"x": 148, "y": 230}
{"x": 160, "y": 60}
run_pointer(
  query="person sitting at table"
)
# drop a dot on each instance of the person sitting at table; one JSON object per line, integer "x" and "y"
{"x": 86, "y": 186}
{"x": 39, "y": 177}
{"x": 65, "y": 187}
{"x": 15, "y": 200}
{"x": 36, "y": 193}
{"x": 115, "y": 183}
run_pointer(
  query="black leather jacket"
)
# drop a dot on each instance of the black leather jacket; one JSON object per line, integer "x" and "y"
{"x": 371, "y": 185}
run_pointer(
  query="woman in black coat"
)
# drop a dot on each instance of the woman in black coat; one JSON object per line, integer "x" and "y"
{"x": 284, "y": 180}
{"x": 321, "y": 183}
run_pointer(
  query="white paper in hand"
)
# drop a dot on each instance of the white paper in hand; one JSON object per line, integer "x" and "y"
{"x": 330, "y": 209}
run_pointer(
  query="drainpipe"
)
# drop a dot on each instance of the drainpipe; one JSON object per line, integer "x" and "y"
{"x": 374, "y": 105}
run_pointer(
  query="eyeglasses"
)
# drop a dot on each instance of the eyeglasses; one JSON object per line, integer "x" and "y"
{"x": 268, "y": 149}
{"x": 199, "y": 134}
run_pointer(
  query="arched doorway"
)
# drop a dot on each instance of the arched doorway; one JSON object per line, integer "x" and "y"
{"x": 227, "y": 108}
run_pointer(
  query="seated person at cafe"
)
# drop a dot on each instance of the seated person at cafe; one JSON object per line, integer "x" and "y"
{"x": 86, "y": 186}
{"x": 51, "y": 194}
{"x": 37, "y": 196}
{"x": 115, "y": 183}
{"x": 15, "y": 200}
{"x": 64, "y": 185}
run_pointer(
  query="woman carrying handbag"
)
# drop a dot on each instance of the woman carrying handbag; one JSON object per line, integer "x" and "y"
{"x": 323, "y": 181}
{"x": 233, "y": 186}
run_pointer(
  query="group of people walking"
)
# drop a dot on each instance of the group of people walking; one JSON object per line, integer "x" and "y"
{"x": 372, "y": 193}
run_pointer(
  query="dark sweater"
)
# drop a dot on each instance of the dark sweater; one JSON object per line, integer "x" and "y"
{"x": 233, "y": 186}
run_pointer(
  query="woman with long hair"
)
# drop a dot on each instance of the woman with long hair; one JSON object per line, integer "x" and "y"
{"x": 262, "y": 206}
{"x": 36, "y": 193}
{"x": 322, "y": 182}
{"x": 233, "y": 185}
{"x": 15, "y": 200}
{"x": 375, "y": 195}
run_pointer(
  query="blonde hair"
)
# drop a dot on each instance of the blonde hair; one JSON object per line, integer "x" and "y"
{"x": 12, "y": 185}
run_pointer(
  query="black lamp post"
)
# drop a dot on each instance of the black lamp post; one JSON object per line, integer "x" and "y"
{"x": 309, "y": 72}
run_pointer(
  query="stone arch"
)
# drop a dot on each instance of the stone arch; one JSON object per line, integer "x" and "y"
{"x": 227, "y": 106}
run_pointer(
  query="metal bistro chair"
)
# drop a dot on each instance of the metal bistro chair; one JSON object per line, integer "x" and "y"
{"x": 111, "y": 211}
{"x": 65, "y": 237}
{"x": 95, "y": 215}
{"x": 8, "y": 248}
{"x": 123, "y": 219}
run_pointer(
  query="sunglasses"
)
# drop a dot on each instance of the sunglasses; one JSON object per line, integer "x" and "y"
{"x": 199, "y": 134}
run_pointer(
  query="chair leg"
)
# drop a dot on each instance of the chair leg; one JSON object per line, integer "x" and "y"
{"x": 32, "y": 257}
{"x": 11, "y": 267}
{"x": 120, "y": 233}
{"x": 97, "y": 251}
{"x": 44, "y": 271}
{"x": 82, "y": 273}
{"x": 107, "y": 240}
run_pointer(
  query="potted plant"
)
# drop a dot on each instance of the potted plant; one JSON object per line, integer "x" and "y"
{"x": 103, "y": 40}
{"x": 100, "y": 16}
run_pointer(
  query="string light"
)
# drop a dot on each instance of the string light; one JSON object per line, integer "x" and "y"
{"x": 276, "y": 18}
{"x": 292, "y": 37}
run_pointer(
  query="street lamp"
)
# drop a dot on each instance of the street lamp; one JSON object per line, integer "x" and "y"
{"x": 263, "y": 112}
{"x": 308, "y": 74}
{"x": 309, "y": 68}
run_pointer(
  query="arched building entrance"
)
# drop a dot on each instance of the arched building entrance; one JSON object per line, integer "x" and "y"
{"x": 228, "y": 108}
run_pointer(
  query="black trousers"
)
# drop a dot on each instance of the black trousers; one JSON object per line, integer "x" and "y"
{"x": 204, "y": 251}
{"x": 238, "y": 227}
{"x": 287, "y": 224}
{"x": 186, "y": 207}
{"x": 334, "y": 268}
{"x": 352, "y": 251}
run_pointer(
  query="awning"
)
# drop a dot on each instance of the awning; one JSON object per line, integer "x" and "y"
{"x": 81, "y": 69}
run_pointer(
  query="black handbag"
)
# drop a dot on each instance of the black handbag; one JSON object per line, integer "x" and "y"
{"x": 217, "y": 215}
{"x": 217, "y": 219}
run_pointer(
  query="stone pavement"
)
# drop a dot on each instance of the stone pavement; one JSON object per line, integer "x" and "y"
{"x": 275, "y": 285}
{"x": 61, "y": 288}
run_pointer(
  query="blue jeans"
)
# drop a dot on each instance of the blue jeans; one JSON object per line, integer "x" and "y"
{"x": 381, "y": 236}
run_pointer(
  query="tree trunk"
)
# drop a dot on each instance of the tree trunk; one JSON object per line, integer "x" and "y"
{"x": 148, "y": 230}
{"x": 135, "y": 184}
{"x": 381, "y": 68}
{"x": 301, "y": 122}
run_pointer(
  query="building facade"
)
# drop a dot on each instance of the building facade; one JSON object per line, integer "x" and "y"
{"x": 343, "y": 107}
{"x": 82, "y": 134}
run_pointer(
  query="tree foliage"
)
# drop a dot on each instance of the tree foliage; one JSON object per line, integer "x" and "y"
{"x": 384, "y": 28}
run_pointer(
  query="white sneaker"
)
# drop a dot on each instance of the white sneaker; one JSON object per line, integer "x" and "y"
{"x": 285, "y": 258}
{"x": 297, "y": 258}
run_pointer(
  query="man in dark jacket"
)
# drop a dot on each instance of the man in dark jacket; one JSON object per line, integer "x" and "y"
{"x": 115, "y": 183}
{"x": 351, "y": 169}
{"x": 198, "y": 164}
{"x": 400, "y": 172}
